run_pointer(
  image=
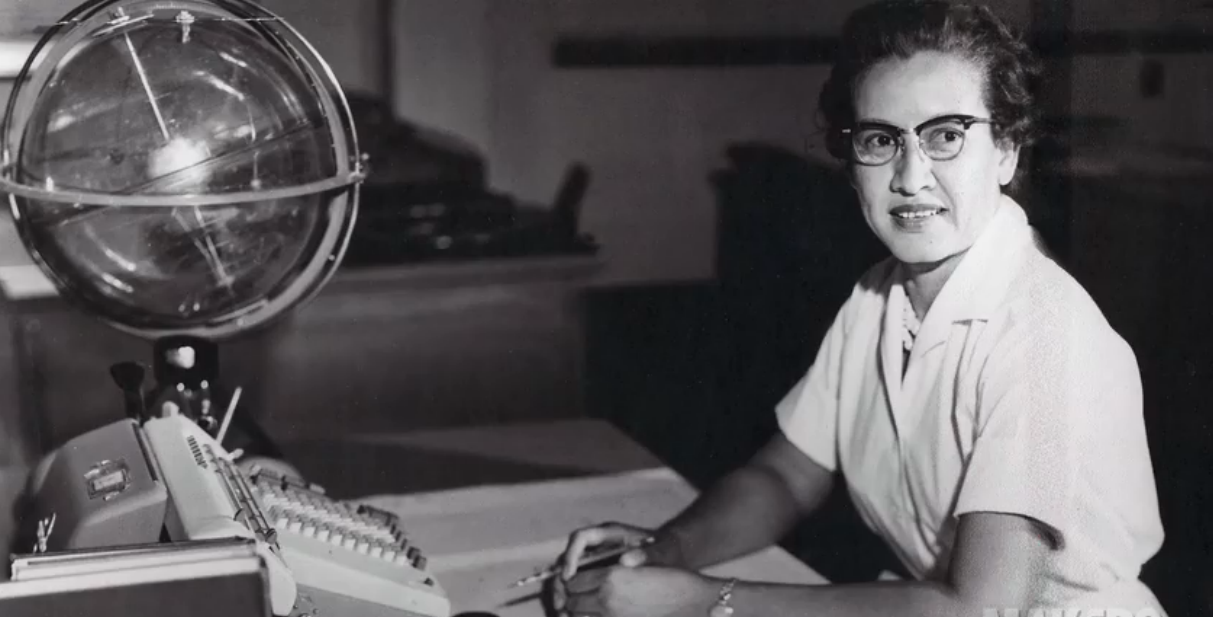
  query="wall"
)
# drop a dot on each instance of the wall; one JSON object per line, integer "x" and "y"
{"x": 345, "y": 33}
{"x": 480, "y": 70}
{"x": 1163, "y": 138}
{"x": 651, "y": 137}
{"x": 1176, "y": 118}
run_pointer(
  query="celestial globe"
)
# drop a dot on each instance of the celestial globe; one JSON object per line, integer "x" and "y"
{"x": 180, "y": 167}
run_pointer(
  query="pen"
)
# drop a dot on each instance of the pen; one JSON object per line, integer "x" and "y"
{"x": 587, "y": 559}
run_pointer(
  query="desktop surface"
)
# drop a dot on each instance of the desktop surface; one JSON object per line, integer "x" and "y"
{"x": 483, "y": 536}
{"x": 482, "y": 539}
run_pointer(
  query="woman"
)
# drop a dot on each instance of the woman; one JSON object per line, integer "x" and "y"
{"x": 985, "y": 417}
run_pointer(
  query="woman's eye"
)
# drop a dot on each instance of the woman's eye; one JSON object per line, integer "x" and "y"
{"x": 945, "y": 136}
{"x": 879, "y": 140}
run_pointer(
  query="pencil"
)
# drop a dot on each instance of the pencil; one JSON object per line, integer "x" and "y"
{"x": 588, "y": 559}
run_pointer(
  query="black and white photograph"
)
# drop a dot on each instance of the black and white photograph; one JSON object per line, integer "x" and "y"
{"x": 606, "y": 308}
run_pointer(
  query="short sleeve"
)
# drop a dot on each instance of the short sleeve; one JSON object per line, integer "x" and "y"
{"x": 1048, "y": 394}
{"x": 808, "y": 414}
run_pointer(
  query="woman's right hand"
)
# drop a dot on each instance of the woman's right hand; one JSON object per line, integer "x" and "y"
{"x": 663, "y": 551}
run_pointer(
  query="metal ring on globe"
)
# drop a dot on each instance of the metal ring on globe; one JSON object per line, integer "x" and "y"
{"x": 7, "y": 185}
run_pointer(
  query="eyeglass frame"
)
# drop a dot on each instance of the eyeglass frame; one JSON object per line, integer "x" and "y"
{"x": 965, "y": 120}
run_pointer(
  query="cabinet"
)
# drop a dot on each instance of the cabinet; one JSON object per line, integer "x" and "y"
{"x": 429, "y": 346}
{"x": 389, "y": 348}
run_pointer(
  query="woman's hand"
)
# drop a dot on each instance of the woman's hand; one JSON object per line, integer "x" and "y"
{"x": 662, "y": 552}
{"x": 614, "y": 534}
{"x": 623, "y": 591}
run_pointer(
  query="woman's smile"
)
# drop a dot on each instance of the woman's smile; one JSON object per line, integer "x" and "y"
{"x": 915, "y": 217}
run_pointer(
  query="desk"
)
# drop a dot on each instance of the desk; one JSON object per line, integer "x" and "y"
{"x": 479, "y": 540}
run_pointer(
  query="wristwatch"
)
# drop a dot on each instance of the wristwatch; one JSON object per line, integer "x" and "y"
{"x": 721, "y": 608}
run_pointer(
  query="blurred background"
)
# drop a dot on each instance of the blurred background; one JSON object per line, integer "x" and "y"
{"x": 624, "y": 211}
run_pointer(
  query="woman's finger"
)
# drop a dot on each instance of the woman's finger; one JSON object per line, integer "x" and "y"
{"x": 582, "y": 539}
{"x": 588, "y": 603}
{"x": 634, "y": 558}
{"x": 578, "y": 542}
{"x": 559, "y": 595}
{"x": 586, "y": 582}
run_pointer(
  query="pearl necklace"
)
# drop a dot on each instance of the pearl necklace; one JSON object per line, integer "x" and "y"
{"x": 910, "y": 325}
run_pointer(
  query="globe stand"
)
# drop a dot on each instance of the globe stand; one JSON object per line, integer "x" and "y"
{"x": 186, "y": 369}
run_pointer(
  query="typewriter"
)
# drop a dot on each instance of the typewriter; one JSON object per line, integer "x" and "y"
{"x": 168, "y": 480}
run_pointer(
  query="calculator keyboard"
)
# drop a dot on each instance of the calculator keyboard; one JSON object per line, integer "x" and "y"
{"x": 346, "y": 548}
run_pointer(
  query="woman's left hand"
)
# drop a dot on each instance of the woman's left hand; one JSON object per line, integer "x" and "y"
{"x": 622, "y": 591}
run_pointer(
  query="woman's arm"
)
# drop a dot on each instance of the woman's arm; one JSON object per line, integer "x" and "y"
{"x": 997, "y": 564}
{"x": 747, "y": 510}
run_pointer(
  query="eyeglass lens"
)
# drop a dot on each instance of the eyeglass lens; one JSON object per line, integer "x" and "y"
{"x": 876, "y": 145}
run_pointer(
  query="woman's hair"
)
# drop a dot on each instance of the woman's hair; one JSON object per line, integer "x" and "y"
{"x": 901, "y": 28}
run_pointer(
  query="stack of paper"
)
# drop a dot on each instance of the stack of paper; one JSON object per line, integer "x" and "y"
{"x": 183, "y": 579}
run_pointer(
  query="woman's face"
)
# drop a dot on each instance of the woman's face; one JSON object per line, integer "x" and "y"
{"x": 926, "y": 211}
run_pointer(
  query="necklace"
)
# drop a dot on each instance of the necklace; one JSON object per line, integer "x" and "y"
{"x": 909, "y": 325}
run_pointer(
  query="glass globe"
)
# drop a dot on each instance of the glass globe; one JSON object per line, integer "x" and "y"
{"x": 180, "y": 167}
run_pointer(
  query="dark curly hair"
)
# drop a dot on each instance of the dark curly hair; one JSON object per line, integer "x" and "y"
{"x": 901, "y": 28}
